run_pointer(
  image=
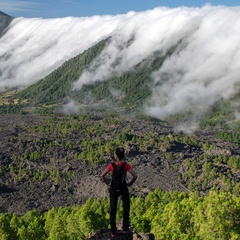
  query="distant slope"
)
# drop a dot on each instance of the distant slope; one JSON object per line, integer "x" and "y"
{"x": 126, "y": 91}
{"x": 4, "y": 22}
{"x": 55, "y": 87}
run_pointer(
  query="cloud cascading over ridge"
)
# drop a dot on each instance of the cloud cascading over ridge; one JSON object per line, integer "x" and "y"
{"x": 203, "y": 68}
{"x": 32, "y": 47}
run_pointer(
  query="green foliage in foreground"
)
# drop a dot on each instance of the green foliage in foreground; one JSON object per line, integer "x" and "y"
{"x": 169, "y": 215}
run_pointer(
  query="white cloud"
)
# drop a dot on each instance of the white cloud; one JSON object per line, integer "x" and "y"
{"x": 32, "y": 48}
{"x": 71, "y": 108}
{"x": 205, "y": 70}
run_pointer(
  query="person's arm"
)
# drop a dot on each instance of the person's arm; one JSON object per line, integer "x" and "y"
{"x": 104, "y": 178}
{"x": 134, "y": 177}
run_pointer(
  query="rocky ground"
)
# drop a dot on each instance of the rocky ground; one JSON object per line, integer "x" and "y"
{"x": 23, "y": 195}
{"x": 105, "y": 234}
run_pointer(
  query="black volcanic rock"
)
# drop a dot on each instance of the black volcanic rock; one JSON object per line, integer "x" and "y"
{"x": 105, "y": 234}
{"x": 40, "y": 167}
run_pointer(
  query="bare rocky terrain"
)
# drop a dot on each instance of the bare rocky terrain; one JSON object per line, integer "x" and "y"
{"x": 21, "y": 190}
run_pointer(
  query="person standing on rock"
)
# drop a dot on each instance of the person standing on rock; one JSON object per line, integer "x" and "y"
{"x": 119, "y": 187}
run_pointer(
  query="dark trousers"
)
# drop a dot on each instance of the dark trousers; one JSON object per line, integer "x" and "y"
{"x": 113, "y": 208}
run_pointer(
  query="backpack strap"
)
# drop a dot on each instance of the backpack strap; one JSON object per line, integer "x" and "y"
{"x": 114, "y": 166}
{"x": 122, "y": 165}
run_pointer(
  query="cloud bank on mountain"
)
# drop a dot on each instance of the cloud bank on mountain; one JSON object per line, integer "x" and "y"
{"x": 203, "y": 68}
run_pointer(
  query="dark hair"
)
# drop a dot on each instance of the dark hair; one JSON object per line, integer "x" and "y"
{"x": 119, "y": 152}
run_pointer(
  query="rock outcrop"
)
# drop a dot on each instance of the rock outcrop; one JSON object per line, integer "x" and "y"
{"x": 105, "y": 234}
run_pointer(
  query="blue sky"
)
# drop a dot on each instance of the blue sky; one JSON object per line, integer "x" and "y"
{"x": 79, "y": 8}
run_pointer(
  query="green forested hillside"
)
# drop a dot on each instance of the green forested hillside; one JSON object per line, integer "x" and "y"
{"x": 55, "y": 87}
{"x": 168, "y": 215}
{"x": 133, "y": 89}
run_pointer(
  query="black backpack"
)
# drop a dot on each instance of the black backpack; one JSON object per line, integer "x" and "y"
{"x": 118, "y": 181}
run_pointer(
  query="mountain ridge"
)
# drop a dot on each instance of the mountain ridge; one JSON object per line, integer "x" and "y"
{"x": 133, "y": 85}
{"x": 127, "y": 93}
{"x": 4, "y": 14}
{"x": 5, "y": 20}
